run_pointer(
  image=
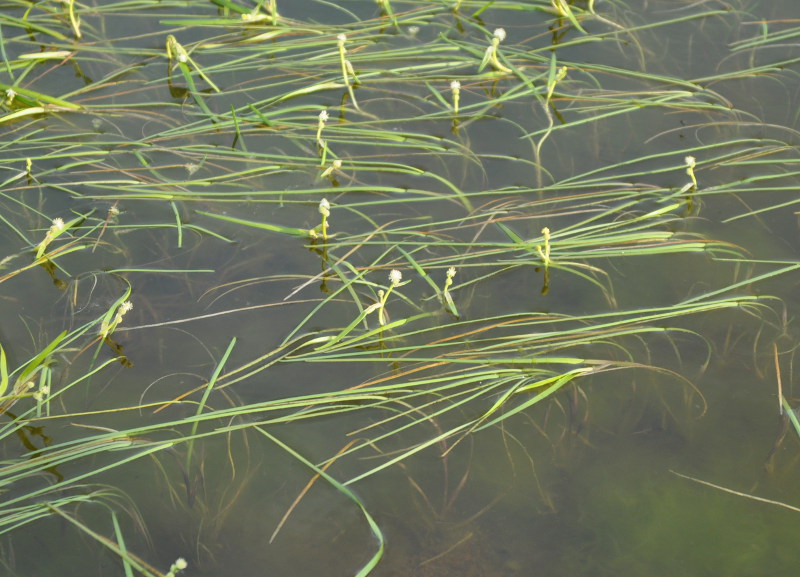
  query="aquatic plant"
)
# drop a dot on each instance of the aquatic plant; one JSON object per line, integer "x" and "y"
{"x": 254, "y": 330}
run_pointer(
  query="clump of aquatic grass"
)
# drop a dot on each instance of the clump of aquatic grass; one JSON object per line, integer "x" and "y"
{"x": 176, "y": 52}
{"x": 39, "y": 367}
{"x": 438, "y": 367}
{"x": 491, "y": 57}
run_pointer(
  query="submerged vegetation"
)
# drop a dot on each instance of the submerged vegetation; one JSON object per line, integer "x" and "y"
{"x": 251, "y": 250}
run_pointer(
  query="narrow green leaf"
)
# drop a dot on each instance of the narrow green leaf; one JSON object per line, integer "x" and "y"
{"x": 302, "y": 232}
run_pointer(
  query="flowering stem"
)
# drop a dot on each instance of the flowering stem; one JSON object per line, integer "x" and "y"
{"x": 455, "y": 86}
{"x": 394, "y": 280}
{"x": 55, "y": 230}
{"x": 448, "y": 299}
{"x": 325, "y": 211}
{"x": 347, "y": 68}
{"x": 691, "y": 162}
{"x": 490, "y": 57}
{"x": 545, "y": 254}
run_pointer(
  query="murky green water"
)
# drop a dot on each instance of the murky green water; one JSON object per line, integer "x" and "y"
{"x": 583, "y": 484}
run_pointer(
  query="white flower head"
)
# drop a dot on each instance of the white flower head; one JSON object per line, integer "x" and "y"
{"x": 324, "y": 207}
{"x": 181, "y": 564}
{"x": 690, "y": 161}
{"x": 342, "y": 38}
{"x": 125, "y": 307}
{"x": 395, "y": 277}
{"x": 500, "y": 34}
{"x": 451, "y": 272}
{"x": 58, "y": 225}
{"x": 455, "y": 85}
{"x": 323, "y": 116}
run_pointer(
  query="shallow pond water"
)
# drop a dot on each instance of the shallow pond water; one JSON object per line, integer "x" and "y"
{"x": 600, "y": 399}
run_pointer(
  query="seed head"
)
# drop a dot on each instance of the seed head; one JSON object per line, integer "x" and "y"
{"x": 324, "y": 207}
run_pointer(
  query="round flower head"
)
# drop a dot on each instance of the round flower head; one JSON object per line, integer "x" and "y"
{"x": 324, "y": 207}
{"x": 323, "y": 116}
{"x": 451, "y": 272}
{"x": 58, "y": 225}
{"x": 342, "y": 38}
{"x": 125, "y": 307}
{"x": 690, "y": 161}
{"x": 455, "y": 85}
{"x": 500, "y": 34}
{"x": 395, "y": 277}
